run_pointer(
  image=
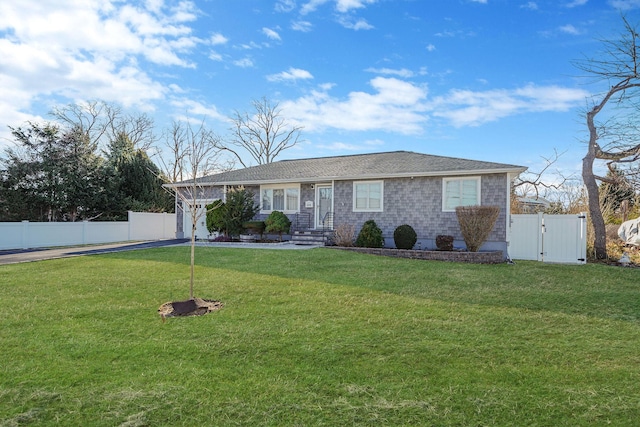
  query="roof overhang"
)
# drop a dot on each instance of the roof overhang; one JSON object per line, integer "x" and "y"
{"x": 511, "y": 171}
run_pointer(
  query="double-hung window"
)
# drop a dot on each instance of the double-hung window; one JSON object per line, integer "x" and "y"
{"x": 460, "y": 192}
{"x": 368, "y": 196}
{"x": 284, "y": 198}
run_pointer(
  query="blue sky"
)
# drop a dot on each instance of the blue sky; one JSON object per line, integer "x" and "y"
{"x": 480, "y": 79}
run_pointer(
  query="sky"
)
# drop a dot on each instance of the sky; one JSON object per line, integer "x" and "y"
{"x": 490, "y": 80}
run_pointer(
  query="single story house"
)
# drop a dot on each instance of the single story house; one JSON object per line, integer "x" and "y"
{"x": 391, "y": 188}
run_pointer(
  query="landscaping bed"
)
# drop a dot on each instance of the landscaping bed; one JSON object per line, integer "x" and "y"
{"x": 488, "y": 257}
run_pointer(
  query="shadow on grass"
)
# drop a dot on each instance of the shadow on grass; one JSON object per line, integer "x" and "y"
{"x": 592, "y": 290}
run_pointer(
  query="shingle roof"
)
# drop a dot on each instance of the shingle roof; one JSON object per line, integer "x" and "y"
{"x": 362, "y": 166}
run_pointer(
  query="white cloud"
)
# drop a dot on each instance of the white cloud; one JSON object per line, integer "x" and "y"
{"x": 399, "y": 106}
{"x": 311, "y": 6}
{"x": 430, "y": 47}
{"x": 218, "y": 39}
{"x": 530, "y": 5}
{"x": 215, "y": 56}
{"x": 285, "y": 6}
{"x": 74, "y": 50}
{"x": 272, "y": 34}
{"x": 245, "y": 62}
{"x": 347, "y": 5}
{"x": 469, "y": 108}
{"x": 291, "y": 75}
{"x": 625, "y": 4}
{"x": 403, "y": 72}
{"x": 576, "y": 3}
{"x": 358, "y": 24}
{"x": 570, "y": 29}
{"x": 342, "y": 6}
{"x": 343, "y": 146}
{"x": 193, "y": 111}
{"x": 304, "y": 26}
{"x": 395, "y": 106}
{"x": 480, "y": 1}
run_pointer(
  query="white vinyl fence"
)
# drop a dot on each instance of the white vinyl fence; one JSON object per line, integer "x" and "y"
{"x": 549, "y": 238}
{"x": 140, "y": 226}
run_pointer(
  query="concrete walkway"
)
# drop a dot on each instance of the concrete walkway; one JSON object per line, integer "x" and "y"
{"x": 39, "y": 254}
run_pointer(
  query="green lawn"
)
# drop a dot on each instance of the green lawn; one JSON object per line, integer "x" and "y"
{"x": 320, "y": 337}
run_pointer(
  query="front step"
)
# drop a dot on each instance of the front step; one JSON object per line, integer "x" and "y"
{"x": 309, "y": 237}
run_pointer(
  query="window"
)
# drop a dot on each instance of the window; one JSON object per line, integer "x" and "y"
{"x": 367, "y": 196}
{"x": 460, "y": 192}
{"x": 280, "y": 198}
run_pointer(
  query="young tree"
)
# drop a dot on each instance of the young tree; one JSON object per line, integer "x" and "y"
{"x": 264, "y": 135}
{"x": 614, "y": 139}
{"x": 200, "y": 155}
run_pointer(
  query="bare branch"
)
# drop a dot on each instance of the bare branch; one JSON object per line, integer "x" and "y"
{"x": 263, "y": 135}
{"x": 618, "y": 65}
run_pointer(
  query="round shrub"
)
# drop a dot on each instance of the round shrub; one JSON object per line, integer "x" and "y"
{"x": 405, "y": 237}
{"x": 370, "y": 236}
{"x": 444, "y": 242}
{"x": 277, "y": 222}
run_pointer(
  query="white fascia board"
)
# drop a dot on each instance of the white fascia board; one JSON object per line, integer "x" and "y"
{"x": 513, "y": 171}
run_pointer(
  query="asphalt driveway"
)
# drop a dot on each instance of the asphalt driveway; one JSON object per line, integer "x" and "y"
{"x": 38, "y": 254}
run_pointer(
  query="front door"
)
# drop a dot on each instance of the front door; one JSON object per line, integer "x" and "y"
{"x": 324, "y": 206}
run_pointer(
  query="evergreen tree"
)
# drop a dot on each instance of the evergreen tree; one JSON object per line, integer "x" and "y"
{"x": 50, "y": 176}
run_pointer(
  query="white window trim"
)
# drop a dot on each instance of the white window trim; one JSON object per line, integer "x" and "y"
{"x": 381, "y": 209}
{"x": 478, "y": 180}
{"x": 280, "y": 187}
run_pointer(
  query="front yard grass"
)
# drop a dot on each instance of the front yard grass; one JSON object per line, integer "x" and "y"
{"x": 317, "y": 337}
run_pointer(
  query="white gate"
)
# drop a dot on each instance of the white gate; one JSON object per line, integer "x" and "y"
{"x": 549, "y": 238}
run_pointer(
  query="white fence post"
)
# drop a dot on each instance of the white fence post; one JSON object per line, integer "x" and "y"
{"x": 25, "y": 235}
{"x": 129, "y": 222}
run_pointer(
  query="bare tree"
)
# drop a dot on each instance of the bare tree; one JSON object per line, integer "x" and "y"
{"x": 616, "y": 138}
{"x": 537, "y": 182}
{"x": 197, "y": 155}
{"x": 171, "y": 155}
{"x": 103, "y": 122}
{"x": 264, "y": 135}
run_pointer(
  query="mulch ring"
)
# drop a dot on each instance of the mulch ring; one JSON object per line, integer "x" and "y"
{"x": 190, "y": 307}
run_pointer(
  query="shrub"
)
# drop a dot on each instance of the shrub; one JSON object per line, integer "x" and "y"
{"x": 476, "y": 222}
{"x": 240, "y": 208}
{"x": 277, "y": 222}
{"x": 344, "y": 235}
{"x": 229, "y": 217}
{"x": 216, "y": 213}
{"x": 444, "y": 242}
{"x": 370, "y": 236}
{"x": 254, "y": 227}
{"x": 405, "y": 237}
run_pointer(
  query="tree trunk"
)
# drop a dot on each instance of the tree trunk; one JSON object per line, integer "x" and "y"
{"x": 599, "y": 229}
{"x": 193, "y": 258}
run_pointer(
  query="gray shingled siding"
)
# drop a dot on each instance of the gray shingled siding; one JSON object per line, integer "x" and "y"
{"x": 414, "y": 201}
{"x": 302, "y": 221}
{"x": 418, "y": 202}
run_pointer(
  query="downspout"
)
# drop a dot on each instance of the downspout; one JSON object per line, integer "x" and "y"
{"x": 510, "y": 178}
